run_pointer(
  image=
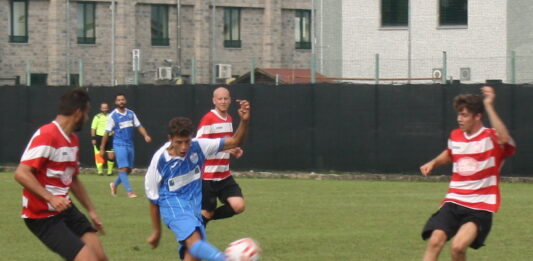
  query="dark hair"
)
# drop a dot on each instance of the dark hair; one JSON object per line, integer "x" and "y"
{"x": 180, "y": 127}
{"x": 73, "y": 100}
{"x": 471, "y": 102}
{"x": 120, "y": 94}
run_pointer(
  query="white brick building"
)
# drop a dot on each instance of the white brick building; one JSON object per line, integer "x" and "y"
{"x": 478, "y": 35}
{"x": 275, "y": 32}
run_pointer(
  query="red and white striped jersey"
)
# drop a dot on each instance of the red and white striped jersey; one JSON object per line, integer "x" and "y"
{"x": 55, "y": 156}
{"x": 477, "y": 161}
{"x": 213, "y": 125}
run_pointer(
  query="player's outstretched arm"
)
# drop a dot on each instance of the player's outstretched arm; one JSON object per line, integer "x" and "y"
{"x": 442, "y": 159}
{"x": 80, "y": 193}
{"x": 240, "y": 135}
{"x": 143, "y": 132}
{"x": 24, "y": 175}
{"x": 155, "y": 216}
{"x": 489, "y": 95}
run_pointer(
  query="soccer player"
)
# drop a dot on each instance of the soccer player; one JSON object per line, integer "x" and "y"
{"x": 173, "y": 185}
{"x": 97, "y": 131}
{"x": 477, "y": 154}
{"x": 217, "y": 180}
{"x": 48, "y": 171}
{"x": 122, "y": 122}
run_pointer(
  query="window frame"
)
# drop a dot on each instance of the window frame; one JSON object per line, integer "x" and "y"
{"x": 85, "y": 39}
{"x": 229, "y": 13}
{"x": 39, "y": 79}
{"x": 158, "y": 38}
{"x": 302, "y": 44}
{"x": 18, "y": 38}
{"x": 396, "y": 21}
{"x": 448, "y": 23}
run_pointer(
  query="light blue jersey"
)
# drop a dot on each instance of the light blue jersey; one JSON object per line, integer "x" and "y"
{"x": 123, "y": 125}
{"x": 175, "y": 185}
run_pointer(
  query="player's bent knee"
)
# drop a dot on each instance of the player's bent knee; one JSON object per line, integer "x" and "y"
{"x": 438, "y": 239}
{"x": 238, "y": 205}
{"x": 208, "y": 214}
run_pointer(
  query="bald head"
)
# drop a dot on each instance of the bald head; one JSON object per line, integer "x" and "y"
{"x": 221, "y": 100}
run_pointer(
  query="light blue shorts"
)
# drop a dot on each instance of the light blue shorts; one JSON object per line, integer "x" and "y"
{"x": 183, "y": 225}
{"x": 124, "y": 155}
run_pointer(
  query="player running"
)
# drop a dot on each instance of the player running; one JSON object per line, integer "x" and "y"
{"x": 122, "y": 123}
{"x": 173, "y": 185}
{"x": 217, "y": 181}
{"x": 48, "y": 171}
{"x": 477, "y": 154}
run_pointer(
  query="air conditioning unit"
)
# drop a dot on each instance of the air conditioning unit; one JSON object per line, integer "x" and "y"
{"x": 464, "y": 74}
{"x": 436, "y": 73}
{"x": 164, "y": 73}
{"x": 223, "y": 71}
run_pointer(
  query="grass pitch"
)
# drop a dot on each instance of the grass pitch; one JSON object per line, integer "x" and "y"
{"x": 291, "y": 219}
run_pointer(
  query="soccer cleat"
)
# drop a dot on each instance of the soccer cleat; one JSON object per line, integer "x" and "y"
{"x": 100, "y": 174}
{"x": 113, "y": 189}
{"x": 132, "y": 195}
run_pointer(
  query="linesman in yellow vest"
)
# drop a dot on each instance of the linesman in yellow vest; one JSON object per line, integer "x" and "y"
{"x": 97, "y": 132}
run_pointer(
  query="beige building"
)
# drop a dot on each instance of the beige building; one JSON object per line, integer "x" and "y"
{"x": 200, "y": 41}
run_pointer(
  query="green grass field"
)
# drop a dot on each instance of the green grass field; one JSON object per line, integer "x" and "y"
{"x": 292, "y": 220}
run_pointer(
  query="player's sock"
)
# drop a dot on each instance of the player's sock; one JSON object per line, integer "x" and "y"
{"x": 205, "y": 251}
{"x": 117, "y": 181}
{"x": 205, "y": 221}
{"x": 224, "y": 211}
{"x": 100, "y": 168}
{"x": 123, "y": 176}
{"x": 110, "y": 165}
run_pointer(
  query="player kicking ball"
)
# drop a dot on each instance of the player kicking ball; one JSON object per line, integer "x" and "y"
{"x": 173, "y": 185}
{"x": 477, "y": 154}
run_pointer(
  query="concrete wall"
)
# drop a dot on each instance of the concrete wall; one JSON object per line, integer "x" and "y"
{"x": 481, "y": 45}
{"x": 520, "y": 39}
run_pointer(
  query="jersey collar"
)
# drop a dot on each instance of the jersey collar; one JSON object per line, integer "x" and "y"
{"x": 61, "y": 130}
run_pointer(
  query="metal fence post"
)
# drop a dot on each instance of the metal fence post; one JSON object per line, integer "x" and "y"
{"x": 82, "y": 75}
{"x": 28, "y": 72}
{"x": 252, "y": 71}
{"x": 377, "y": 69}
{"x": 444, "y": 67}
{"x": 313, "y": 68}
{"x": 513, "y": 67}
{"x": 193, "y": 71}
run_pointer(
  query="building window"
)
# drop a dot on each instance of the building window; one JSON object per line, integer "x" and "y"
{"x": 302, "y": 29}
{"x": 38, "y": 79}
{"x": 19, "y": 21}
{"x": 453, "y": 12}
{"x": 74, "y": 79}
{"x": 394, "y": 12}
{"x": 159, "y": 25}
{"x": 86, "y": 23}
{"x": 232, "y": 27}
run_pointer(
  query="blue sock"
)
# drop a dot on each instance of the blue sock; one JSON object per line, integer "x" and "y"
{"x": 205, "y": 251}
{"x": 117, "y": 181}
{"x": 123, "y": 176}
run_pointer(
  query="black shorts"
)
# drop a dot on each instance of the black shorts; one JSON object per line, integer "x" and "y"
{"x": 451, "y": 217}
{"x": 108, "y": 144}
{"x": 62, "y": 233}
{"x": 221, "y": 189}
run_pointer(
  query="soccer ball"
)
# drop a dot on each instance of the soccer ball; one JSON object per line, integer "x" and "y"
{"x": 244, "y": 249}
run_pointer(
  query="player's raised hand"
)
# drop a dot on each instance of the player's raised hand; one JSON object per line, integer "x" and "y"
{"x": 244, "y": 110}
{"x": 489, "y": 95}
{"x": 427, "y": 168}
